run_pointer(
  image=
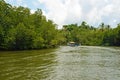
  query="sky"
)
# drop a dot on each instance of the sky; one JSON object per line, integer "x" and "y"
{"x": 62, "y": 12}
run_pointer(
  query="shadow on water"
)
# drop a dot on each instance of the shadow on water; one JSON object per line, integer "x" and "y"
{"x": 64, "y": 63}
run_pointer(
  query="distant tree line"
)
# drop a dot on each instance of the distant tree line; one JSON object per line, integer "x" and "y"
{"x": 85, "y": 34}
{"x": 20, "y": 29}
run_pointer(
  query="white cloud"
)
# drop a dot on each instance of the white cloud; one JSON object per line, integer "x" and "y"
{"x": 93, "y": 16}
{"x": 74, "y": 11}
{"x": 63, "y": 11}
{"x": 108, "y": 9}
{"x": 114, "y": 20}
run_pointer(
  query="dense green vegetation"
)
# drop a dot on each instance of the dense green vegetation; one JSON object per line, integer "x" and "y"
{"x": 85, "y": 34}
{"x": 20, "y": 29}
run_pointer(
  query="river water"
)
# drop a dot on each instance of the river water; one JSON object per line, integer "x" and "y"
{"x": 63, "y": 63}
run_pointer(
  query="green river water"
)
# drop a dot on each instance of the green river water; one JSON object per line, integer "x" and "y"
{"x": 63, "y": 63}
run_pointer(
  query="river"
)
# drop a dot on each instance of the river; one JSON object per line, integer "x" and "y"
{"x": 63, "y": 63}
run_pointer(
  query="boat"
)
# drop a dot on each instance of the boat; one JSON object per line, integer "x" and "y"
{"x": 72, "y": 44}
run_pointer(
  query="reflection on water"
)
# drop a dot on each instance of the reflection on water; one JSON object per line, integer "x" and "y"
{"x": 26, "y": 65}
{"x": 64, "y": 63}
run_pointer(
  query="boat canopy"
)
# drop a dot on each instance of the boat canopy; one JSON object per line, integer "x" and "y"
{"x": 72, "y": 42}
